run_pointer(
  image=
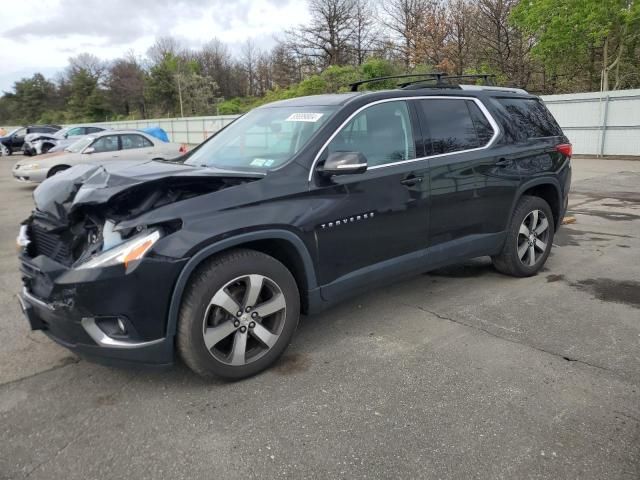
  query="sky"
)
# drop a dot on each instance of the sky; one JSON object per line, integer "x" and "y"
{"x": 42, "y": 34}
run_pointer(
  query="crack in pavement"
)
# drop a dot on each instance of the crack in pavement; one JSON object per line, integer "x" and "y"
{"x": 626, "y": 415}
{"x": 89, "y": 416}
{"x": 511, "y": 340}
{"x": 66, "y": 361}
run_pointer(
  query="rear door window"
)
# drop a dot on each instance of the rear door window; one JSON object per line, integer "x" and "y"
{"x": 451, "y": 127}
{"x": 528, "y": 118}
{"x": 134, "y": 141}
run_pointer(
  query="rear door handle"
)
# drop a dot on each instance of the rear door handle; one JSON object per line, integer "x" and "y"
{"x": 412, "y": 180}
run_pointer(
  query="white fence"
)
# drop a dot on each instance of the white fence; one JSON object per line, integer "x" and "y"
{"x": 597, "y": 123}
{"x": 191, "y": 130}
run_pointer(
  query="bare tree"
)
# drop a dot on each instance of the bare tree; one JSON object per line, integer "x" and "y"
{"x": 217, "y": 63}
{"x": 326, "y": 40}
{"x": 363, "y": 30}
{"x": 249, "y": 60}
{"x": 125, "y": 83}
{"x": 404, "y": 18}
{"x": 87, "y": 62}
{"x": 432, "y": 36}
{"x": 460, "y": 17}
{"x": 285, "y": 66}
{"x": 162, "y": 47}
{"x": 500, "y": 44}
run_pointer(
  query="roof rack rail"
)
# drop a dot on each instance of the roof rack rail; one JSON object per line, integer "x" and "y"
{"x": 443, "y": 80}
{"x": 498, "y": 89}
{"x": 354, "y": 86}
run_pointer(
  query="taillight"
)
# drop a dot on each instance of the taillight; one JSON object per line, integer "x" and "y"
{"x": 565, "y": 149}
{"x": 183, "y": 148}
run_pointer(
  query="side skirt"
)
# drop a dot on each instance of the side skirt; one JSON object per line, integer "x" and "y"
{"x": 414, "y": 263}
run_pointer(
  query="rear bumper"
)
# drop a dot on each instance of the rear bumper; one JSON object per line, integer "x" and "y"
{"x": 79, "y": 309}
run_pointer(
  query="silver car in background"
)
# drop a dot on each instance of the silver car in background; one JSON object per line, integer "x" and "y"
{"x": 38, "y": 143}
{"x": 100, "y": 148}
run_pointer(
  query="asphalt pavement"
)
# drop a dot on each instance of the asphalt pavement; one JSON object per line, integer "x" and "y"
{"x": 460, "y": 373}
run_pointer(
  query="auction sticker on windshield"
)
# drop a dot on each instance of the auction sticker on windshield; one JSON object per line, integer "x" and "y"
{"x": 304, "y": 117}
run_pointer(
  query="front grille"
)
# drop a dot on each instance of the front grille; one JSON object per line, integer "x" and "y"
{"x": 48, "y": 244}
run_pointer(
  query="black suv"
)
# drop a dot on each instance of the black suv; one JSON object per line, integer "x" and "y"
{"x": 293, "y": 207}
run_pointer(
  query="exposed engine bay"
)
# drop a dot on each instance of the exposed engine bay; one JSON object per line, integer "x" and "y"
{"x": 78, "y": 212}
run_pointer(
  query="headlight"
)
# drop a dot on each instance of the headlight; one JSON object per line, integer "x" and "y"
{"x": 133, "y": 249}
{"x": 29, "y": 166}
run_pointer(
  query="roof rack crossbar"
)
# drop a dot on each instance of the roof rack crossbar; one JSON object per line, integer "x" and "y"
{"x": 354, "y": 86}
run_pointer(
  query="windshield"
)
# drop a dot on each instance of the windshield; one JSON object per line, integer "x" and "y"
{"x": 263, "y": 139}
{"x": 15, "y": 130}
{"x": 61, "y": 133}
{"x": 77, "y": 147}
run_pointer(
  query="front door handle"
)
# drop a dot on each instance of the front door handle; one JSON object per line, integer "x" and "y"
{"x": 412, "y": 180}
{"x": 504, "y": 162}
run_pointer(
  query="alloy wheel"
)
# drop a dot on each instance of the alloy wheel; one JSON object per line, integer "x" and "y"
{"x": 244, "y": 319}
{"x": 533, "y": 237}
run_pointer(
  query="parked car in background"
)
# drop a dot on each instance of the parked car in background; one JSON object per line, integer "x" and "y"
{"x": 37, "y": 143}
{"x": 14, "y": 141}
{"x": 103, "y": 147}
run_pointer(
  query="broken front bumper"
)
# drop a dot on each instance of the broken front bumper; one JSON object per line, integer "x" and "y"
{"x": 110, "y": 315}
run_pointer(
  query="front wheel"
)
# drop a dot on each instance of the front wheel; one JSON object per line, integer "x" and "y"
{"x": 529, "y": 239}
{"x": 238, "y": 315}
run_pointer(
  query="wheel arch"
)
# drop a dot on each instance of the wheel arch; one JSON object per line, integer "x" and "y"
{"x": 58, "y": 167}
{"x": 283, "y": 245}
{"x": 546, "y": 188}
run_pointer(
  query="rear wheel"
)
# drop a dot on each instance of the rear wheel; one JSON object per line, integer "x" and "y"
{"x": 238, "y": 315}
{"x": 529, "y": 238}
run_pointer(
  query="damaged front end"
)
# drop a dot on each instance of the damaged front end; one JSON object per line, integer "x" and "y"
{"x": 95, "y": 286}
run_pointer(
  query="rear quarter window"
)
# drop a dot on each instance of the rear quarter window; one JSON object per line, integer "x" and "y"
{"x": 527, "y": 118}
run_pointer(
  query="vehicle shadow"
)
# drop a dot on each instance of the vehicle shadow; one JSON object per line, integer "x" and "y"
{"x": 315, "y": 335}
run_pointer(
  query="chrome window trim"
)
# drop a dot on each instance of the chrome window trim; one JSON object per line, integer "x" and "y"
{"x": 483, "y": 109}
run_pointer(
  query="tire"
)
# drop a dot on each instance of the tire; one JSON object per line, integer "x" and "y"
{"x": 211, "y": 334}
{"x": 56, "y": 170}
{"x": 526, "y": 250}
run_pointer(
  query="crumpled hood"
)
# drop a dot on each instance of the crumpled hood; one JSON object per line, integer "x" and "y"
{"x": 87, "y": 184}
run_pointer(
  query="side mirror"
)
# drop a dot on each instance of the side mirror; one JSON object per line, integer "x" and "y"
{"x": 342, "y": 163}
{"x": 89, "y": 150}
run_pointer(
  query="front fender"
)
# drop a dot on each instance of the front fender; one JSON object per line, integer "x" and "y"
{"x": 238, "y": 240}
